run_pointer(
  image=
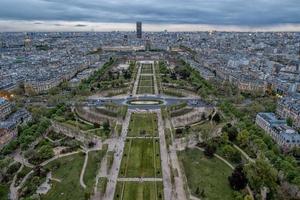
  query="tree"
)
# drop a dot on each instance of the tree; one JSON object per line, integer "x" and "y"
{"x": 289, "y": 121}
{"x": 243, "y": 137}
{"x": 238, "y": 179}
{"x": 231, "y": 153}
{"x": 209, "y": 150}
{"x": 231, "y": 130}
{"x": 216, "y": 118}
{"x": 248, "y": 197}
{"x": 261, "y": 174}
{"x": 106, "y": 127}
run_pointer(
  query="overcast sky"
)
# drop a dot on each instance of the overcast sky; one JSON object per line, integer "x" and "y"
{"x": 108, "y": 14}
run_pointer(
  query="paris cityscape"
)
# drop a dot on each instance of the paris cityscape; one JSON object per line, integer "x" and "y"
{"x": 145, "y": 110}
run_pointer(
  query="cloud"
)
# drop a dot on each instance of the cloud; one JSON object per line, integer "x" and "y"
{"x": 212, "y": 12}
{"x": 51, "y": 26}
{"x": 80, "y": 25}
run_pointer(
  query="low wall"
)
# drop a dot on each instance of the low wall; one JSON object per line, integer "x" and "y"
{"x": 192, "y": 117}
{"x": 72, "y": 132}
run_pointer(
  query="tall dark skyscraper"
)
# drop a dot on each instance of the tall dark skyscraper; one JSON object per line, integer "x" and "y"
{"x": 139, "y": 29}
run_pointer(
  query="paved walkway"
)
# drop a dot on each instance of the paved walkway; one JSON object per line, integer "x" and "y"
{"x": 244, "y": 153}
{"x": 14, "y": 190}
{"x": 179, "y": 183}
{"x": 114, "y": 172}
{"x": 83, "y": 170}
{"x": 155, "y": 80}
{"x": 19, "y": 158}
{"x": 165, "y": 162}
{"x": 136, "y": 83}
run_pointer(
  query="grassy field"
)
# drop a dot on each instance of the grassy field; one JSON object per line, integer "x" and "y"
{"x": 139, "y": 191}
{"x": 145, "y": 90}
{"x": 146, "y": 85}
{"x": 147, "y": 69}
{"x": 209, "y": 175}
{"x": 92, "y": 167}
{"x": 146, "y": 81}
{"x": 102, "y": 183}
{"x": 141, "y": 158}
{"x": 143, "y": 125}
{"x": 67, "y": 170}
{"x": 4, "y": 191}
{"x": 78, "y": 124}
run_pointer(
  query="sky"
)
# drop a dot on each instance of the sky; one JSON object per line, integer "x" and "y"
{"x": 156, "y": 15}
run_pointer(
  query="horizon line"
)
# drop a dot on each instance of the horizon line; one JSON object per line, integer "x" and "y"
{"x": 85, "y": 26}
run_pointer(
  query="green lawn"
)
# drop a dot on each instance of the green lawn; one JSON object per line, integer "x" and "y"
{"x": 145, "y": 90}
{"x": 102, "y": 183}
{"x": 22, "y": 174}
{"x": 146, "y": 82}
{"x": 81, "y": 125}
{"x": 4, "y": 191}
{"x": 141, "y": 158}
{"x": 139, "y": 191}
{"x": 210, "y": 175}
{"x": 146, "y": 85}
{"x": 68, "y": 170}
{"x": 147, "y": 69}
{"x": 143, "y": 125}
{"x": 92, "y": 168}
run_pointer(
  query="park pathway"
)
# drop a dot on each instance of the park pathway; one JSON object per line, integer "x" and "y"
{"x": 155, "y": 80}
{"x": 137, "y": 80}
{"x": 114, "y": 172}
{"x": 165, "y": 164}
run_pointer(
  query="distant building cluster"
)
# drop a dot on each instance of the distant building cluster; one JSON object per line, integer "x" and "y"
{"x": 41, "y": 61}
{"x": 251, "y": 61}
{"x": 5, "y": 108}
{"x": 289, "y": 107}
{"x": 8, "y": 126}
{"x": 12, "y": 121}
{"x": 285, "y": 136}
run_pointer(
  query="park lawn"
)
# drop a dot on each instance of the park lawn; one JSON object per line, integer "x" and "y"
{"x": 4, "y": 191}
{"x": 92, "y": 168}
{"x": 22, "y": 174}
{"x": 139, "y": 191}
{"x": 146, "y": 83}
{"x": 102, "y": 183}
{"x": 145, "y": 90}
{"x": 146, "y": 77}
{"x": 139, "y": 159}
{"x": 147, "y": 69}
{"x": 140, "y": 122}
{"x": 81, "y": 125}
{"x": 157, "y": 157}
{"x": 210, "y": 175}
{"x": 68, "y": 170}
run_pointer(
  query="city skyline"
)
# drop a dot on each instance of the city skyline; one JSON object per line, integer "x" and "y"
{"x": 192, "y": 15}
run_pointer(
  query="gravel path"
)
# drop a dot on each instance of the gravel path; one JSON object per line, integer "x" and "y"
{"x": 114, "y": 172}
{"x": 165, "y": 160}
{"x": 137, "y": 80}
